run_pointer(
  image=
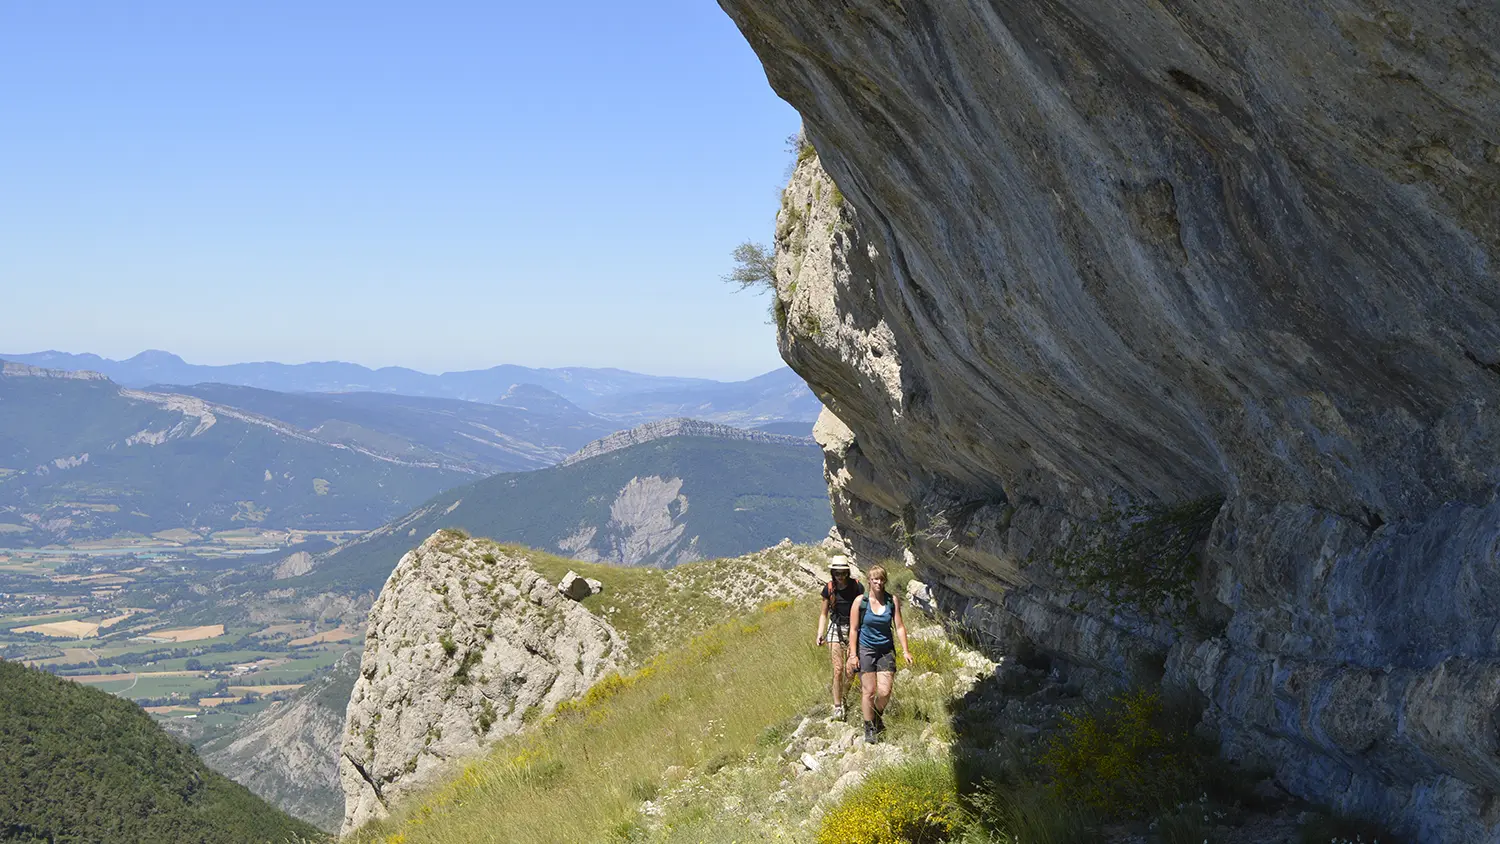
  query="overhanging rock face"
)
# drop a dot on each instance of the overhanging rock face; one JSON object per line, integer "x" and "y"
{"x": 1083, "y": 252}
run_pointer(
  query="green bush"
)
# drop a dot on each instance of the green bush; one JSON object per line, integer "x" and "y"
{"x": 934, "y": 655}
{"x": 916, "y": 802}
{"x": 1125, "y": 760}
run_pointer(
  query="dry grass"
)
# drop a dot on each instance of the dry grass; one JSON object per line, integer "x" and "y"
{"x": 265, "y": 690}
{"x": 211, "y": 702}
{"x": 582, "y": 775}
{"x": 338, "y": 634}
{"x": 190, "y": 634}
{"x": 63, "y": 629}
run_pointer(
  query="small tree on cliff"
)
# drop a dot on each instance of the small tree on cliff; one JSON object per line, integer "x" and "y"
{"x": 754, "y": 266}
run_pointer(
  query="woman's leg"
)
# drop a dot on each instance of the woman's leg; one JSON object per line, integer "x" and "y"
{"x": 884, "y": 680}
{"x": 867, "y": 695}
{"x": 839, "y": 653}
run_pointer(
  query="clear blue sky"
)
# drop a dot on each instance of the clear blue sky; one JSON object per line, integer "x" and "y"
{"x": 436, "y": 185}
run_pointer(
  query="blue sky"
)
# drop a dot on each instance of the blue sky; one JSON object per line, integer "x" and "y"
{"x": 436, "y": 185}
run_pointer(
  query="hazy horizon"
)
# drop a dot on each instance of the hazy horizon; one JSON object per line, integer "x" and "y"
{"x": 13, "y": 354}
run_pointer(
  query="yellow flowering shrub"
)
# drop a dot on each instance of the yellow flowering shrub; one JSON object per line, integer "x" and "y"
{"x": 914, "y": 803}
{"x": 934, "y": 655}
{"x": 1124, "y": 760}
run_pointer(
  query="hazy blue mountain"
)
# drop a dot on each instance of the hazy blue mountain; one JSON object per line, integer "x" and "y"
{"x": 629, "y": 397}
{"x": 779, "y": 395}
{"x": 80, "y": 457}
{"x": 790, "y": 429}
{"x": 532, "y": 427}
{"x": 577, "y": 384}
{"x": 659, "y": 502}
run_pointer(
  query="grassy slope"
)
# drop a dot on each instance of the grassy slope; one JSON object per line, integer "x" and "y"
{"x": 583, "y": 774}
{"x": 697, "y": 730}
{"x": 84, "y": 766}
{"x": 742, "y": 496}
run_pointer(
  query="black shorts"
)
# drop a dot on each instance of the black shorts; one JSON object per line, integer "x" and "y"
{"x": 875, "y": 660}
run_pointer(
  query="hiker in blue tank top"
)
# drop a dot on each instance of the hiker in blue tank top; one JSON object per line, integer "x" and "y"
{"x": 873, "y": 619}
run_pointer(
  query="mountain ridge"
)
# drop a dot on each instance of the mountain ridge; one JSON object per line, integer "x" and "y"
{"x": 679, "y": 427}
{"x": 156, "y": 366}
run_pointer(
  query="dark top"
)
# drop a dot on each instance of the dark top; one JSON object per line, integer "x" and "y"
{"x": 875, "y": 628}
{"x": 843, "y": 600}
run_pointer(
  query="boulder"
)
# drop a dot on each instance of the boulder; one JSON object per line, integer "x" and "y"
{"x": 576, "y": 587}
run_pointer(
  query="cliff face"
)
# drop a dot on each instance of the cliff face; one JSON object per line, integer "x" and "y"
{"x": 287, "y": 754}
{"x": 1086, "y": 256}
{"x": 464, "y": 645}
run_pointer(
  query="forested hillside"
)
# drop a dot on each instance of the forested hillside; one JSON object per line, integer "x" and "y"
{"x": 81, "y": 765}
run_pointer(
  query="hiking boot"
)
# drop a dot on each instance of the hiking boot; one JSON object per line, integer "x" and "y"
{"x": 838, "y": 713}
{"x": 879, "y": 722}
{"x": 870, "y": 737}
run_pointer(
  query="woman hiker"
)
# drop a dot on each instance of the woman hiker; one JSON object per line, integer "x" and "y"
{"x": 833, "y": 624}
{"x": 871, "y": 621}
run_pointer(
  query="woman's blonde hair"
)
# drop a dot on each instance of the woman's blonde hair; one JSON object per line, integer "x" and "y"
{"x": 880, "y": 570}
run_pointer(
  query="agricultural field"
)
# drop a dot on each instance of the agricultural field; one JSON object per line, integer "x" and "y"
{"x": 171, "y": 629}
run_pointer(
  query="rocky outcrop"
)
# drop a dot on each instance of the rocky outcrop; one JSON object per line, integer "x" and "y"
{"x": 11, "y": 369}
{"x": 295, "y": 565}
{"x": 465, "y": 644}
{"x": 286, "y": 753}
{"x": 1077, "y": 258}
{"x": 674, "y": 428}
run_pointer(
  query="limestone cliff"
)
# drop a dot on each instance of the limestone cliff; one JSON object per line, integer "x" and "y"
{"x": 1076, "y": 258}
{"x": 465, "y": 643}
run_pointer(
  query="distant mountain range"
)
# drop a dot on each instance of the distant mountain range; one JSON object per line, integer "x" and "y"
{"x": 83, "y": 458}
{"x": 666, "y": 493}
{"x": 777, "y": 396}
{"x": 529, "y": 428}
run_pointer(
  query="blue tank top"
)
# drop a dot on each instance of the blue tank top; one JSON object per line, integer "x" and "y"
{"x": 875, "y": 628}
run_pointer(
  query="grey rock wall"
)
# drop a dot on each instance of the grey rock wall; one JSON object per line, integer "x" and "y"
{"x": 465, "y": 644}
{"x": 1055, "y": 258}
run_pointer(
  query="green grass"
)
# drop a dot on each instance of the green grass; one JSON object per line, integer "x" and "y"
{"x": 150, "y": 688}
{"x": 655, "y": 609}
{"x": 582, "y": 774}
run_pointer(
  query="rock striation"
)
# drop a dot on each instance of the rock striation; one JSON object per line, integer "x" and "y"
{"x": 1049, "y": 262}
{"x": 465, "y": 644}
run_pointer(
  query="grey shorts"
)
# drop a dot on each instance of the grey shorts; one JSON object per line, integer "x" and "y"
{"x": 838, "y": 634}
{"x": 872, "y": 661}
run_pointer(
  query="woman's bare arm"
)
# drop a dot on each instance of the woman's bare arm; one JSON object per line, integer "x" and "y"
{"x": 854, "y": 630}
{"x": 823, "y": 620}
{"x": 901, "y": 631}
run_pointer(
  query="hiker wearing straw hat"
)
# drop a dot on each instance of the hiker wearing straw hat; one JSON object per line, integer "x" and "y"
{"x": 833, "y": 624}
